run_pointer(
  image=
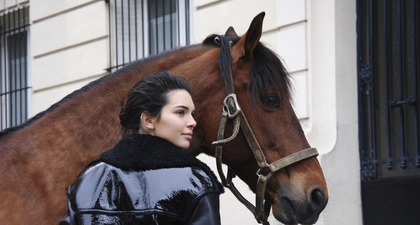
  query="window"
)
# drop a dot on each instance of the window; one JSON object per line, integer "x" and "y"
{"x": 140, "y": 28}
{"x": 14, "y": 88}
{"x": 389, "y": 82}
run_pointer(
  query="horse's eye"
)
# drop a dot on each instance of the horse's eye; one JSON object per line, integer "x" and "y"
{"x": 272, "y": 100}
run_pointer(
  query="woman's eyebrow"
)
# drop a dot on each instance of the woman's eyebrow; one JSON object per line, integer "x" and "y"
{"x": 183, "y": 106}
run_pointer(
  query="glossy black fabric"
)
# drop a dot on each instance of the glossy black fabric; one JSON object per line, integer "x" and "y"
{"x": 140, "y": 192}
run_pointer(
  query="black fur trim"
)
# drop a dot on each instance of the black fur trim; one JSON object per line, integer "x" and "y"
{"x": 142, "y": 152}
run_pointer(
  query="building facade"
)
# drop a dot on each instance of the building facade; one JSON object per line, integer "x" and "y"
{"x": 70, "y": 43}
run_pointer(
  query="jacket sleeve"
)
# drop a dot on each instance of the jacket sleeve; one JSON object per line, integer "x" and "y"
{"x": 207, "y": 211}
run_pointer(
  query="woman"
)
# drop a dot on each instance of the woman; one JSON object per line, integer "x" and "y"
{"x": 148, "y": 177}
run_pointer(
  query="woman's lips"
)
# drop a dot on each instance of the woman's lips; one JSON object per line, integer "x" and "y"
{"x": 188, "y": 135}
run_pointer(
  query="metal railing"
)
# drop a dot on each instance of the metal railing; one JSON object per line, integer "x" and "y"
{"x": 388, "y": 71}
{"x": 139, "y": 28}
{"x": 14, "y": 87}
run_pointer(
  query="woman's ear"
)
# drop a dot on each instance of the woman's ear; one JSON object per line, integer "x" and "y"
{"x": 147, "y": 121}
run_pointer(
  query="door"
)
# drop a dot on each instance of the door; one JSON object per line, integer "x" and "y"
{"x": 388, "y": 88}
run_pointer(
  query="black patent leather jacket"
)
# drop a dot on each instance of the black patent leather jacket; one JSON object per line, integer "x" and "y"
{"x": 165, "y": 186}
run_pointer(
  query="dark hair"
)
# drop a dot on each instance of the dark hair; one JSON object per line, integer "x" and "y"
{"x": 149, "y": 95}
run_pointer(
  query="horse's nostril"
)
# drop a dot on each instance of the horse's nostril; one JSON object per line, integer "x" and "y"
{"x": 317, "y": 200}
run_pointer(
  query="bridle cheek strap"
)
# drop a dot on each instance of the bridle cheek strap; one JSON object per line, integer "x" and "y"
{"x": 231, "y": 110}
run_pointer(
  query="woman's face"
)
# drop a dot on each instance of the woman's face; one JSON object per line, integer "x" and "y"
{"x": 176, "y": 121}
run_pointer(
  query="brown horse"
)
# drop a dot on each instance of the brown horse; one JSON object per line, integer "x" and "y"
{"x": 42, "y": 157}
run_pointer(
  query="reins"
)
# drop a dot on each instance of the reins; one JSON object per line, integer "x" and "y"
{"x": 232, "y": 111}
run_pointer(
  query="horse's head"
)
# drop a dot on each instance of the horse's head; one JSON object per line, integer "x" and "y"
{"x": 298, "y": 192}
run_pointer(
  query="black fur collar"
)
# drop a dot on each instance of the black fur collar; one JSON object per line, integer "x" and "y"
{"x": 143, "y": 152}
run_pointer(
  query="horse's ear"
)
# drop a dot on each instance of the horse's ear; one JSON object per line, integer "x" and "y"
{"x": 253, "y": 34}
{"x": 250, "y": 39}
{"x": 231, "y": 34}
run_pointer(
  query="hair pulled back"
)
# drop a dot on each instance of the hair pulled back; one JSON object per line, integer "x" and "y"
{"x": 149, "y": 95}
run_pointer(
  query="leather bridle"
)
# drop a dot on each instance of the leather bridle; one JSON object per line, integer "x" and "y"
{"x": 232, "y": 111}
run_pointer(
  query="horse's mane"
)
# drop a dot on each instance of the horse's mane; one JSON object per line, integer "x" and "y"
{"x": 267, "y": 70}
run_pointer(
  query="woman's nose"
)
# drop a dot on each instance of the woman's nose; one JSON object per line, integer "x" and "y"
{"x": 192, "y": 123}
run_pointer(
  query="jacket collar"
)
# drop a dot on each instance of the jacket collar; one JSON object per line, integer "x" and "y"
{"x": 142, "y": 152}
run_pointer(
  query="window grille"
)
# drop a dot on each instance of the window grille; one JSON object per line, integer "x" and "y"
{"x": 388, "y": 81}
{"x": 14, "y": 87}
{"x": 139, "y": 28}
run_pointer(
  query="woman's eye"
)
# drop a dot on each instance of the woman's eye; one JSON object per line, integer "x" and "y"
{"x": 181, "y": 113}
{"x": 272, "y": 100}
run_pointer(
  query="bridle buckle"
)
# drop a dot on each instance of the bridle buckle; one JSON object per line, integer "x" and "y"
{"x": 264, "y": 171}
{"x": 232, "y": 107}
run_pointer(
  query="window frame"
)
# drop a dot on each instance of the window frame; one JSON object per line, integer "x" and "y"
{"x": 138, "y": 47}
{"x": 15, "y": 89}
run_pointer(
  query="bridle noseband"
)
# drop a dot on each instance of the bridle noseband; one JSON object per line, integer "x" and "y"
{"x": 232, "y": 111}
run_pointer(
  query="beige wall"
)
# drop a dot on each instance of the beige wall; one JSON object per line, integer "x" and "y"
{"x": 69, "y": 47}
{"x": 11, "y": 4}
{"x": 334, "y": 81}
